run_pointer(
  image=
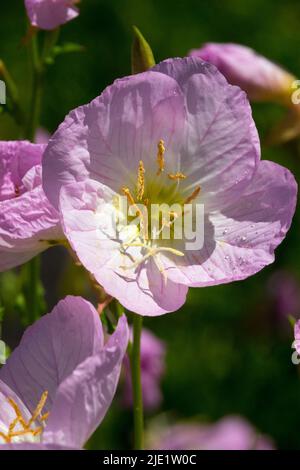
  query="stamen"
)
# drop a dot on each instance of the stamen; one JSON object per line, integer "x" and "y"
{"x": 160, "y": 156}
{"x": 192, "y": 196}
{"x": 27, "y": 426}
{"x": 144, "y": 225}
{"x": 6, "y": 438}
{"x": 176, "y": 176}
{"x": 14, "y": 405}
{"x": 141, "y": 181}
{"x": 127, "y": 193}
{"x": 39, "y": 408}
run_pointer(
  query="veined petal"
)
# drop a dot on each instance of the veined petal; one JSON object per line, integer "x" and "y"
{"x": 16, "y": 159}
{"x": 27, "y": 224}
{"x": 51, "y": 349}
{"x": 221, "y": 145}
{"x": 84, "y": 397}
{"x": 244, "y": 234}
{"x": 106, "y": 139}
{"x": 7, "y": 413}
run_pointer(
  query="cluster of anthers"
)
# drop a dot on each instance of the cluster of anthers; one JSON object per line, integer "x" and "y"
{"x": 22, "y": 430}
{"x": 142, "y": 238}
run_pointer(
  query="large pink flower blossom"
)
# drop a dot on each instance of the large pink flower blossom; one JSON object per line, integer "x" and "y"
{"x": 49, "y": 14}
{"x": 230, "y": 433}
{"x": 176, "y": 133}
{"x": 29, "y": 224}
{"x": 58, "y": 384}
{"x": 262, "y": 79}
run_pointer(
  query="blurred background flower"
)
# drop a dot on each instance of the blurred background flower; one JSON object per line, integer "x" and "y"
{"x": 229, "y": 433}
{"x": 152, "y": 366}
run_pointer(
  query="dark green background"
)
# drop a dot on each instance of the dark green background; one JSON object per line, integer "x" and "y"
{"x": 227, "y": 352}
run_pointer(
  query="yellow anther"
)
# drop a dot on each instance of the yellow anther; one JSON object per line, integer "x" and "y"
{"x": 45, "y": 416}
{"x": 127, "y": 193}
{"x": 141, "y": 181}
{"x": 39, "y": 408}
{"x": 192, "y": 196}
{"x": 27, "y": 426}
{"x": 5, "y": 437}
{"x": 160, "y": 156}
{"x": 16, "y": 408}
{"x": 176, "y": 176}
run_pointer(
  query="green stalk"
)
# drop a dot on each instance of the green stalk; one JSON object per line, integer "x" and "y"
{"x": 135, "y": 364}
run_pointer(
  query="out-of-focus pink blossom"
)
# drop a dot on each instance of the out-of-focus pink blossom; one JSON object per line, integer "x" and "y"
{"x": 152, "y": 369}
{"x": 284, "y": 289}
{"x": 262, "y": 79}
{"x": 49, "y": 14}
{"x": 230, "y": 433}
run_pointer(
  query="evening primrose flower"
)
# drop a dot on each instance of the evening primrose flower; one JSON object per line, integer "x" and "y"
{"x": 229, "y": 433}
{"x": 29, "y": 224}
{"x": 180, "y": 135}
{"x": 262, "y": 79}
{"x": 58, "y": 384}
{"x": 49, "y": 14}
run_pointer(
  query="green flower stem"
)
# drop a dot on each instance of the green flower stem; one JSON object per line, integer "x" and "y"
{"x": 38, "y": 63}
{"x": 37, "y": 89}
{"x": 33, "y": 293}
{"x": 135, "y": 364}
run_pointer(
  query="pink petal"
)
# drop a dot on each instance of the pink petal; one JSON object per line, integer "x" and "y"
{"x": 262, "y": 79}
{"x": 7, "y": 413}
{"x": 221, "y": 147}
{"x": 297, "y": 336}
{"x": 106, "y": 139}
{"x": 51, "y": 349}
{"x": 49, "y": 14}
{"x": 16, "y": 158}
{"x": 84, "y": 397}
{"x": 240, "y": 240}
{"x": 27, "y": 224}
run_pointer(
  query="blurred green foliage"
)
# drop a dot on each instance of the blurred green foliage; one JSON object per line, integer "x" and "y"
{"x": 227, "y": 350}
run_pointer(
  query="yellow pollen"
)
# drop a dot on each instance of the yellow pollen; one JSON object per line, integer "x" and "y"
{"x": 141, "y": 181}
{"x": 160, "y": 156}
{"x": 176, "y": 176}
{"x": 127, "y": 193}
{"x": 26, "y": 427}
{"x": 192, "y": 196}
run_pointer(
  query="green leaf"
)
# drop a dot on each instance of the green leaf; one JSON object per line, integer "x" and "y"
{"x": 65, "y": 48}
{"x": 142, "y": 57}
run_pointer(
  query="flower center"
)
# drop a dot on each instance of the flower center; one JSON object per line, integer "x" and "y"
{"x": 22, "y": 430}
{"x": 163, "y": 193}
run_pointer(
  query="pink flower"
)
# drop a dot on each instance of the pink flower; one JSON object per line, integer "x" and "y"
{"x": 152, "y": 369}
{"x": 49, "y": 14}
{"x": 230, "y": 433}
{"x": 283, "y": 288}
{"x": 297, "y": 336}
{"x": 58, "y": 384}
{"x": 259, "y": 77}
{"x": 28, "y": 222}
{"x": 176, "y": 134}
